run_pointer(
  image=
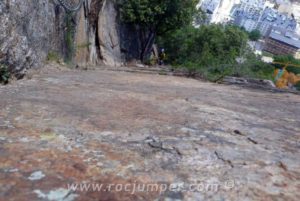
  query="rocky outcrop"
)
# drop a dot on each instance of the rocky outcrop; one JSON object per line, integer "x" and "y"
{"x": 101, "y": 37}
{"x": 28, "y": 31}
{"x": 194, "y": 140}
{"x": 92, "y": 36}
{"x": 97, "y": 36}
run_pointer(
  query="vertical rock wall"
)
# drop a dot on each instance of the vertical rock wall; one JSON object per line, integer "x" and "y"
{"x": 28, "y": 31}
{"x": 101, "y": 37}
{"x": 97, "y": 35}
{"x": 31, "y": 29}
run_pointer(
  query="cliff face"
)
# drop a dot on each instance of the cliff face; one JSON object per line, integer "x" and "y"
{"x": 93, "y": 35}
{"x": 29, "y": 29}
{"x": 101, "y": 37}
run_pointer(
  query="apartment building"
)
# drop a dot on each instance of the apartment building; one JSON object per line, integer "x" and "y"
{"x": 282, "y": 42}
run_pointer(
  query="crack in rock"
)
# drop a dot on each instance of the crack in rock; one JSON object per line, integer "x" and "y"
{"x": 220, "y": 157}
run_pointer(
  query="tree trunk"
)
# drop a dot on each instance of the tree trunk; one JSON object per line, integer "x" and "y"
{"x": 146, "y": 51}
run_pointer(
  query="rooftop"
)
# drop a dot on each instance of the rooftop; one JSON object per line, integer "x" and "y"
{"x": 287, "y": 37}
{"x": 278, "y": 19}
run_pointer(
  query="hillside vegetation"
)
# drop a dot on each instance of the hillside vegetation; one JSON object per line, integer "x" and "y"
{"x": 213, "y": 51}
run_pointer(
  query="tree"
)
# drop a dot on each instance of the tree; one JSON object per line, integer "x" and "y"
{"x": 156, "y": 17}
{"x": 4, "y": 74}
{"x": 288, "y": 59}
{"x": 212, "y": 50}
{"x": 200, "y": 18}
{"x": 255, "y": 35}
{"x": 204, "y": 46}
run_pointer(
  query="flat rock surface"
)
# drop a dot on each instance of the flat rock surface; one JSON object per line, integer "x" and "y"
{"x": 104, "y": 135}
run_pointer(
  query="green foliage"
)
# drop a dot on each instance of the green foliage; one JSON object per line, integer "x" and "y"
{"x": 200, "y": 18}
{"x": 158, "y": 16}
{"x": 297, "y": 86}
{"x": 69, "y": 37}
{"x": 254, "y": 35}
{"x": 155, "y": 17}
{"x": 212, "y": 50}
{"x": 267, "y": 54}
{"x": 53, "y": 56}
{"x": 291, "y": 60}
{"x": 206, "y": 46}
{"x": 4, "y": 74}
{"x": 84, "y": 45}
{"x": 293, "y": 69}
{"x": 288, "y": 59}
{"x": 255, "y": 68}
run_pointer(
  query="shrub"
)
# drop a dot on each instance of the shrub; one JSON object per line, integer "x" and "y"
{"x": 211, "y": 51}
{"x": 155, "y": 18}
{"x": 53, "y": 56}
{"x": 69, "y": 37}
{"x": 254, "y": 35}
{"x": 4, "y": 74}
{"x": 293, "y": 69}
{"x": 297, "y": 86}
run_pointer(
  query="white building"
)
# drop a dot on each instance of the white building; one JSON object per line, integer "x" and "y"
{"x": 259, "y": 14}
{"x": 222, "y": 14}
{"x": 210, "y": 7}
{"x": 296, "y": 14}
{"x": 248, "y": 13}
{"x": 249, "y": 24}
{"x": 252, "y": 6}
{"x": 272, "y": 18}
{"x": 218, "y": 11}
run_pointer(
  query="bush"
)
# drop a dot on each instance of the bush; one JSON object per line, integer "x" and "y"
{"x": 297, "y": 86}
{"x": 293, "y": 69}
{"x": 288, "y": 59}
{"x": 209, "y": 45}
{"x": 211, "y": 52}
{"x": 53, "y": 56}
{"x": 155, "y": 18}
{"x": 4, "y": 74}
{"x": 69, "y": 37}
{"x": 254, "y": 35}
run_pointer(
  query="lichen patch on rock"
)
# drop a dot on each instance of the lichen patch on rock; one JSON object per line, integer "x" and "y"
{"x": 118, "y": 128}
